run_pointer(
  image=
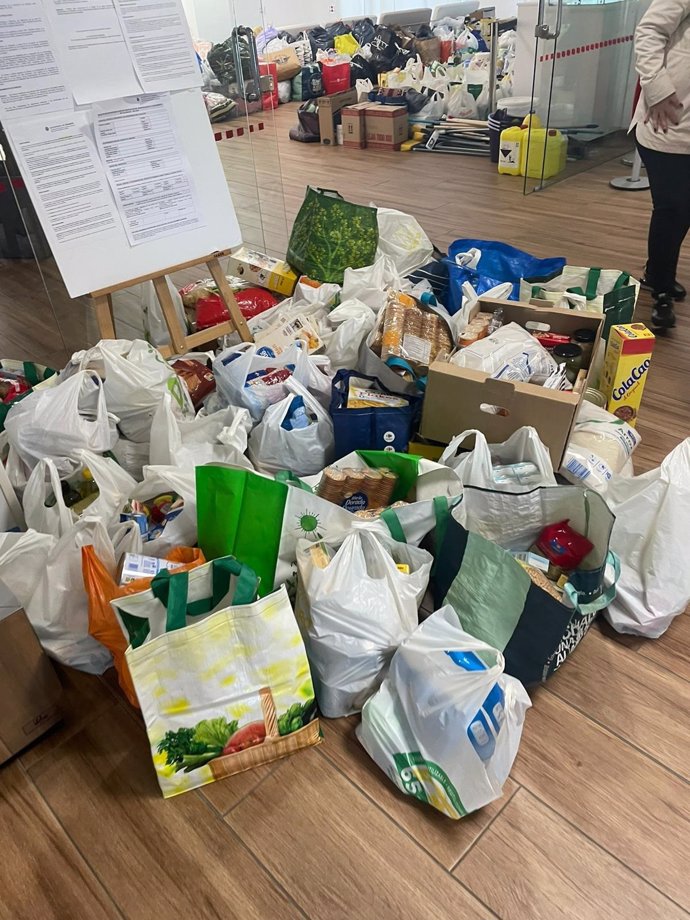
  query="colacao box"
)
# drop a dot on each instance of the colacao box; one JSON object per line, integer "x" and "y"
{"x": 250, "y": 265}
{"x": 628, "y": 357}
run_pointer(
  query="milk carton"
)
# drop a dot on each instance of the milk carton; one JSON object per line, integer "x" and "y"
{"x": 628, "y": 357}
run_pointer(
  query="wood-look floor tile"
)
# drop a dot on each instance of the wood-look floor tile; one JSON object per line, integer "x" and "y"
{"x": 84, "y": 697}
{"x": 634, "y": 698}
{"x": 672, "y": 650}
{"x": 444, "y": 838}
{"x": 629, "y": 805}
{"x": 226, "y": 794}
{"x": 157, "y": 858}
{"x": 338, "y": 855}
{"x": 532, "y": 865}
{"x": 42, "y": 874}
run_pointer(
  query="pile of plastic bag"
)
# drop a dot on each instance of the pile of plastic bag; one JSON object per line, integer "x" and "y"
{"x": 159, "y": 505}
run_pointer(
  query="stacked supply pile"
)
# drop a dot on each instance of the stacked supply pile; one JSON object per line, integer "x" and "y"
{"x": 298, "y": 527}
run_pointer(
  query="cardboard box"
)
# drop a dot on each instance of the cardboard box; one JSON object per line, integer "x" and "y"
{"x": 354, "y": 127}
{"x": 286, "y": 61}
{"x": 628, "y": 357}
{"x": 388, "y": 126}
{"x": 250, "y": 265}
{"x": 458, "y": 399}
{"x": 29, "y": 686}
{"x": 329, "y": 106}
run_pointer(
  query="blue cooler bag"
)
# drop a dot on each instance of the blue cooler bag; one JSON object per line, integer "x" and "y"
{"x": 375, "y": 428}
{"x": 498, "y": 263}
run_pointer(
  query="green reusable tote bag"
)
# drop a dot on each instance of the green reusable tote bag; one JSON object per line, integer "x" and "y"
{"x": 330, "y": 235}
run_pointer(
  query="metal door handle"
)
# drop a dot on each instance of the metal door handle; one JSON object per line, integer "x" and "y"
{"x": 542, "y": 30}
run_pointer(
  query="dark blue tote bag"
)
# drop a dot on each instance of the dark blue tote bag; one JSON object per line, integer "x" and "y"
{"x": 380, "y": 428}
{"x": 498, "y": 264}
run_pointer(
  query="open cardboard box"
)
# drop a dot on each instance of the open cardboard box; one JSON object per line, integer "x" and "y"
{"x": 458, "y": 399}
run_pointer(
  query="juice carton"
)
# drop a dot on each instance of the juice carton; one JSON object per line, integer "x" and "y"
{"x": 628, "y": 357}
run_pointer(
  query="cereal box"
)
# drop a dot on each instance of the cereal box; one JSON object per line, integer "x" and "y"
{"x": 628, "y": 357}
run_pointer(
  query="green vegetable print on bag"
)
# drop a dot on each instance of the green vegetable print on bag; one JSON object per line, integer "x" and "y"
{"x": 330, "y": 235}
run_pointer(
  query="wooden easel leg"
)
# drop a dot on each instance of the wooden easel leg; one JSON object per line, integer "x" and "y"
{"x": 103, "y": 305}
{"x": 178, "y": 335}
{"x": 228, "y": 296}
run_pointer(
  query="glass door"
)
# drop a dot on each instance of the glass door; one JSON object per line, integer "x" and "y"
{"x": 582, "y": 88}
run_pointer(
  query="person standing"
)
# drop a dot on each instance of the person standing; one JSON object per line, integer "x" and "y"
{"x": 662, "y": 132}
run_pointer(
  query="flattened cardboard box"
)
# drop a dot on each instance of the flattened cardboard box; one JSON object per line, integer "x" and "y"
{"x": 29, "y": 686}
{"x": 458, "y": 399}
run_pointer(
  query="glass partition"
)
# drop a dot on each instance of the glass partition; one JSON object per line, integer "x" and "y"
{"x": 582, "y": 85}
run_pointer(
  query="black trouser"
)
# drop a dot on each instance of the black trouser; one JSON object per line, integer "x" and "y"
{"x": 669, "y": 181}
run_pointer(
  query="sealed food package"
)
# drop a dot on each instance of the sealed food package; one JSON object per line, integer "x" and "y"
{"x": 410, "y": 332}
{"x": 355, "y": 604}
{"x": 199, "y": 379}
{"x": 600, "y": 448}
{"x": 446, "y": 723}
{"x": 510, "y": 353}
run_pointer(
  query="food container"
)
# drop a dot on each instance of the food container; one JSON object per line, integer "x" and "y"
{"x": 571, "y": 356}
{"x": 585, "y": 339}
{"x": 596, "y": 397}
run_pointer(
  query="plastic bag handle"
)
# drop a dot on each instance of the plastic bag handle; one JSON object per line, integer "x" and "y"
{"x": 480, "y": 444}
{"x": 606, "y": 597}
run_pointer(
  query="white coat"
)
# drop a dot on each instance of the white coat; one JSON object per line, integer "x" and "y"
{"x": 662, "y": 61}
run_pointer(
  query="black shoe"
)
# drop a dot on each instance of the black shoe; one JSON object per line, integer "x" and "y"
{"x": 663, "y": 316}
{"x": 678, "y": 292}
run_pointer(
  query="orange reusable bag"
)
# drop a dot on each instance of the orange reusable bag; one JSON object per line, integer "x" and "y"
{"x": 101, "y": 589}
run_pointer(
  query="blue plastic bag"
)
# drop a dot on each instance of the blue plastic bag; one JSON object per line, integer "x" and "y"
{"x": 498, "y": 263}
{"x": 381, "y": 428}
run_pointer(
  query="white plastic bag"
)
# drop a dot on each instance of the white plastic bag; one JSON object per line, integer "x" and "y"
{"x": 510, "y": 353}
{"x": 445, "y": 725}
{"x": 235, "y": 366}
{"x": 460, "y": 103}
{"x": 370, "y": 285}
{"x": 600, "y": 448}
{"x": 352, "y": 322}
{"x": 114, "y": 487}
{"x": 132, "y": 456}
{"x": 45, "y": 575}
{"x": 355, "y": 612}
{"x": 402, "y": 238}
{"x": 181, "y": 530}
{"x": 136, "y": 377}
{"x": 220, "y": 437}
{"x": 302, "y": 451}
{"x": 284, "y": 91}
{"x": 523, "y": 453}
{"x": 61, "y": 421}
{"x": 651, "y": 536}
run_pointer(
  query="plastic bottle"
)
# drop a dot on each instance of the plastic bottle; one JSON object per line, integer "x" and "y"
{"x": 510, "y": 150}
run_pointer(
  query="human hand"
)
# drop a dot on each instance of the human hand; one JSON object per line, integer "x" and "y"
{"x": 664, "y": 113}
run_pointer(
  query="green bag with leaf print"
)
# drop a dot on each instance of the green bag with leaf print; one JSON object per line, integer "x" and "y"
{"x": 330, "y": 235}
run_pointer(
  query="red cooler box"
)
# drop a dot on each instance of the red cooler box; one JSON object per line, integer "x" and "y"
{"x": 336, "y": 77}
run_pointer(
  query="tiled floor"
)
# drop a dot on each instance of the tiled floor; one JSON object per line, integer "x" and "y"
{"x": 595, "y": 820}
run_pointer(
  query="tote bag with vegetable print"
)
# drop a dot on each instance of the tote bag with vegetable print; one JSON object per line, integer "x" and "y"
{"x": 223, "y": 680}
{"x": 330, "y": 235}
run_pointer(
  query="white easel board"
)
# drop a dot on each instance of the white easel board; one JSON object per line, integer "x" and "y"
{"x": 104, "y": 259}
